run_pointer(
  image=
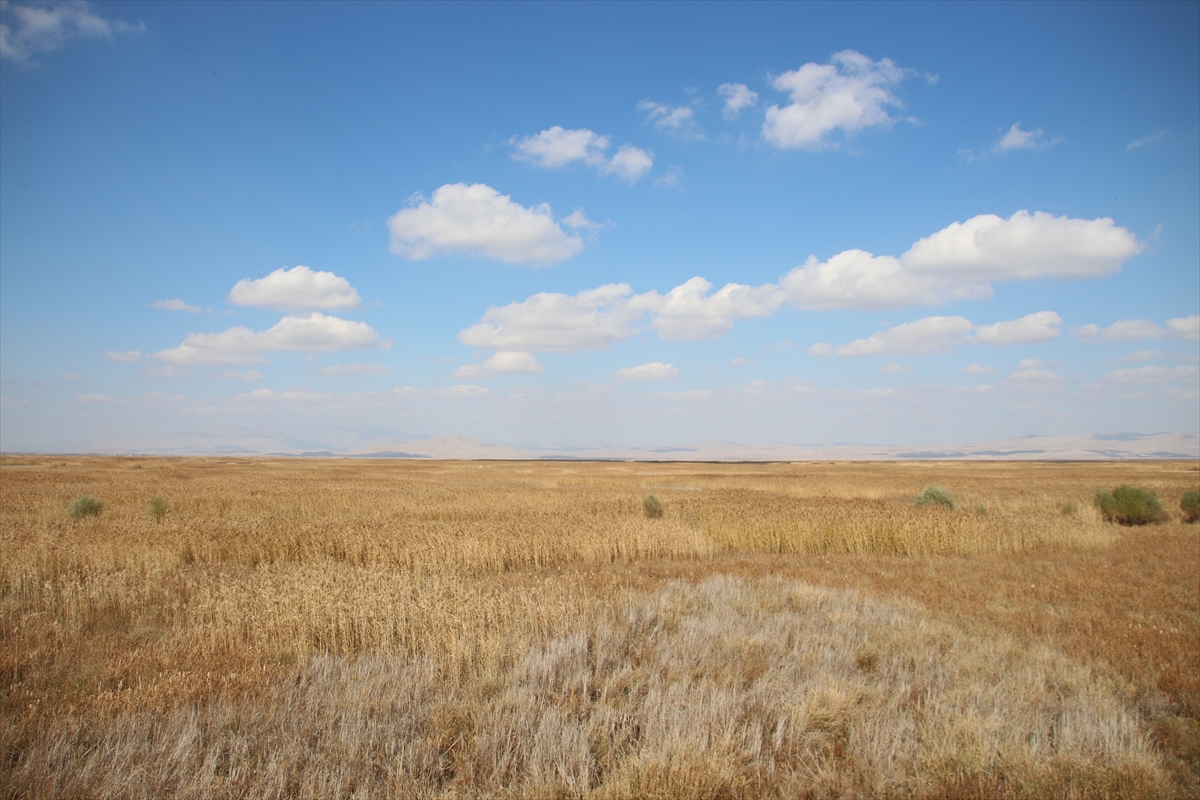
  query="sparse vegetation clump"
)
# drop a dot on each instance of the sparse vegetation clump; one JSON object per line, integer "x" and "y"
{"x": 1190, "y": 506}
{"x": 85, "y": 506}
{"x": 1130, "y": 505}
{"x": 158, "y": 508}
{"x": 936, "y": 495}
{"x": 652, "y": 507}
{"x": 1069, "y": 508}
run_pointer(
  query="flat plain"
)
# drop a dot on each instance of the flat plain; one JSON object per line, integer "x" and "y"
{"x": 384, "y": 628}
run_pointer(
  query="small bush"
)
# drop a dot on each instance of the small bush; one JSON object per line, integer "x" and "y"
{"x": 1190, "y": 506}
{"x": 652, "y": 507}
{"x": 158, "y": 508}
{"x": 981, "y": 510}
{"x": 85, "y": 506}
{"x": 1130, "y": 505}
{"x": 1069, "y": 509}
{"x": 936, "y": 494}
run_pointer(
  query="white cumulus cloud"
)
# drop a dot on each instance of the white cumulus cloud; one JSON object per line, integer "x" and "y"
{"x": 589, "y": 320}
{"x": 179, "y": 305}
{"x": 556, "y": 147}
{"x": 296, "y": 289}
{"x": 505, "y": 362}
{"x": 849, "y": 94}
{"x": 241, "y": 345}
{"x": 1042, "y": 326}
{"x": 127, "y": 356}
{"x": 961, "y": 261}
{"x": 654, "y": 371}
{"x": 929, "y": 335}
{"x": 1024, "y": 247}
{"x": 690, "y": 312}
{"x": 1186, "y": 328}
{"x": 477, "y": 220}
{"x": 860, "y": 280}
{"x": 29, "y": 28}
{"x": 1018, "y": 139}
{"x": 737, "y": 96}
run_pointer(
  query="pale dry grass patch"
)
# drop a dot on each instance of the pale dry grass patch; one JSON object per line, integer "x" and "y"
{"x": 725, "y": 688}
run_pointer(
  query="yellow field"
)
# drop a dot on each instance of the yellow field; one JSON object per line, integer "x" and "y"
{"x": 353, "y": 628}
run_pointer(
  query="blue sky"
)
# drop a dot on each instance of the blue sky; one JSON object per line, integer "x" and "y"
{"x": 327, "y": 226}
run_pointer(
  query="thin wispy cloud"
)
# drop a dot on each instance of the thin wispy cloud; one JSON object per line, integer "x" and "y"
{"x": 27, "y": 29}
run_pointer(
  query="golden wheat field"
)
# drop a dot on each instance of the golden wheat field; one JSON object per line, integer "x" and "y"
{"x": 413, "y": 629}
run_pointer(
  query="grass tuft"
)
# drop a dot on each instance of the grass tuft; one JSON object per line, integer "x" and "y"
{"x": 1190, "y": 506}
{"x": 1130, "y": 505}
{"x": 652, "y": 507}
{"x": 158, "y": 508}
{"x": 85, "y": 506}
{"x": 936, "y": 495}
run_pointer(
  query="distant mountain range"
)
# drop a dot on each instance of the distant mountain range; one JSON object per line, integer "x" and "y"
{"x": 1035, "y": 447}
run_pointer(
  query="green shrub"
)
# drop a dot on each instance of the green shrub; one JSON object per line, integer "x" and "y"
{"x": 158, "y": 508}
{"x": 936, "y": 494}
{"x": 1130, "y": 505}
{"x": 1190, "y": 506}
{"x": 981, "y": 510}
{"x": 652, "y": 507}
{"x": 1069, "y": 509}
{"x": 85, "y": 506}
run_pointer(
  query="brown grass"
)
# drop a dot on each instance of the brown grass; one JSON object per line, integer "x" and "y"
{"x": 455, "y": 629}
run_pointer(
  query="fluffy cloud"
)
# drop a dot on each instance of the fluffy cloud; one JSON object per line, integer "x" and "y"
{"x": 1024, "y": 247}
{"x": 556, "y": 147}
{"x": 1133, "y": 330}
{"x": 346, "y": 370}
{"x": 737, "y": 96}
{"x": 860, "y": 280}
{"x": 179, "y": 305}
{"x": 45, "y": 27}
{"x": 1042, "y": 326}
{"x": 654, "y": 371}
{"x": 961, "y": 260}
{"x": 1185, "y": 328}
{"x": 477, "y": 220}
{"x": 296, "y": 289}
{"x": 941, "y": 334}
{"x": 240, "y": 345}
{"x": 589, "y": 320}
{"x": 127, "y": 356}
{"x": 506, "y": 362}
{"x": 676, "y": 120}
{"x": 929, "y": 335}
{"x": 1018, "y": 139}
{"x": 689, "y": 312}
{"x": 629, "y": 163}
{"x": 849, "y": 94}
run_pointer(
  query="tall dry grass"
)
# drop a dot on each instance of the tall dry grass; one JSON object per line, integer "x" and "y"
{"x": 327, "y": 628}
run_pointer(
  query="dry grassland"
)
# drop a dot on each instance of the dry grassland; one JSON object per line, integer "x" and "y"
{"x": 348, "y": 628}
